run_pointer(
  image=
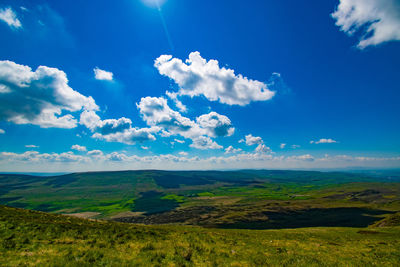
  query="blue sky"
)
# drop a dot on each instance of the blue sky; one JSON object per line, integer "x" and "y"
{"x": 180, "y": 84}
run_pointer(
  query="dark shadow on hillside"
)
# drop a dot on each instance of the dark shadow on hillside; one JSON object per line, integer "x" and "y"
{"x": 333, "y": 217}
{"x": 60, "y": 181}
{"x": 151, "y": 203}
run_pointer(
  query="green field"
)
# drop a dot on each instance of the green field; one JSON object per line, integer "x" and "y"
{"x": 30, "y": 238}
{"x": 233, "y": 199}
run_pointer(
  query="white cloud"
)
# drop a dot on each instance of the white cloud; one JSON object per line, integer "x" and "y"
{"x": 95, "y": 159}
{"x": 204, "y": 142}
{"x": 198, "y": 76}
{"x": 8, "y": 16}
{"x": 377, "y": 20}
{"x": 306, "y": 157}
{"x": 145, "y": 147}
{"x": 2, "y": 131}
{"x": 116, "y": 130}
{"x": 183, "y": 153}
{"x": 324, "y": 141}
{"x": 295, "y": 146}
{"x": 156, "y": 113}
{"x": 174, "y": 97}
{"x": 129, "y": 136}
{"x": 90, "y": 119}
{"x": 282, "y": 146}
{"x": 253, "y": 140}
{"x": 41, "y": 97}
{"x": 232, "y": 150}
{"x": 95, "y": 153}
{"x": 31, "y": 146}
{"x": 104, "y": 75}
{"x": 78, "y": 148}
{"x": 261, "y": 148}
{"x": 256, "y": 140}
{"x": 216, "y": 124}
{"x": 179, "y": 141}
{"x": 34, "y": 156}
{"x": 115, "y": 156}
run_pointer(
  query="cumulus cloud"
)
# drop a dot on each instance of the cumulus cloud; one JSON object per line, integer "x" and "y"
{"x": 8, "y": 16}
{"x": 156, "y": 113}
{"x": 253, "y": 140}
{"x": 78, "y": 148}
{"x": 104, "y": 75}
{"x": 40, "y": 97}
{"x": 261, "y": 148}
{"x": 116, "y": 130}
{"x": 216, "y": 124}
{"x": 90, "y": 119}
{"x": 183, "y": 153}
{"x": 282, "y": 146}
{"x": 179, "y": 141}
{"x": 204, "y": 142}
{"x": 115, "y": 156}
{"x": 198, "y": 76}
{"x": 232, "y": 150}
{"x": 378, "y": 21}
{"x": 324, "y": 141}
{"x": 31, "y": 146}
{"x": 2, "y": 131}
{"x": 129, "y": 136}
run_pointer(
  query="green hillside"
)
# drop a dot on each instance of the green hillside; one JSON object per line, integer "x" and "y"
{"x": 250, "y": 199}
{"x": 30, "y": 238}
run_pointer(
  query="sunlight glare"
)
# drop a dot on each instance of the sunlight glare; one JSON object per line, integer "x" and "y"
{"x": 154, "y": 3}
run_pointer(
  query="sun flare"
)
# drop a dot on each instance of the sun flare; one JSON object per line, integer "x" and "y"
{"x": 154, "y": 3}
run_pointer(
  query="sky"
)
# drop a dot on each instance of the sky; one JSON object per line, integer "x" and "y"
{"x": 175, "y": 84}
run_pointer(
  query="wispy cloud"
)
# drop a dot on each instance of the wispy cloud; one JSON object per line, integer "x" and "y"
{"x": 31, "y": 146}
{"x": 324, "y": 141}
{"x": 10, "y": 17}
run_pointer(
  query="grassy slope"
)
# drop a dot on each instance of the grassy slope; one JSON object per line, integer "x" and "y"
{"x": 36, "y": 238}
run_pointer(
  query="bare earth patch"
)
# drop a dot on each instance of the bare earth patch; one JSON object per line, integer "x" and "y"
{"x": 127, "y": 214}
{"x": 84, "y": 215}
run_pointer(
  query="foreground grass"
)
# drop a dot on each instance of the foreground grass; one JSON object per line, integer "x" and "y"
{"x": 31, "y": 238}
